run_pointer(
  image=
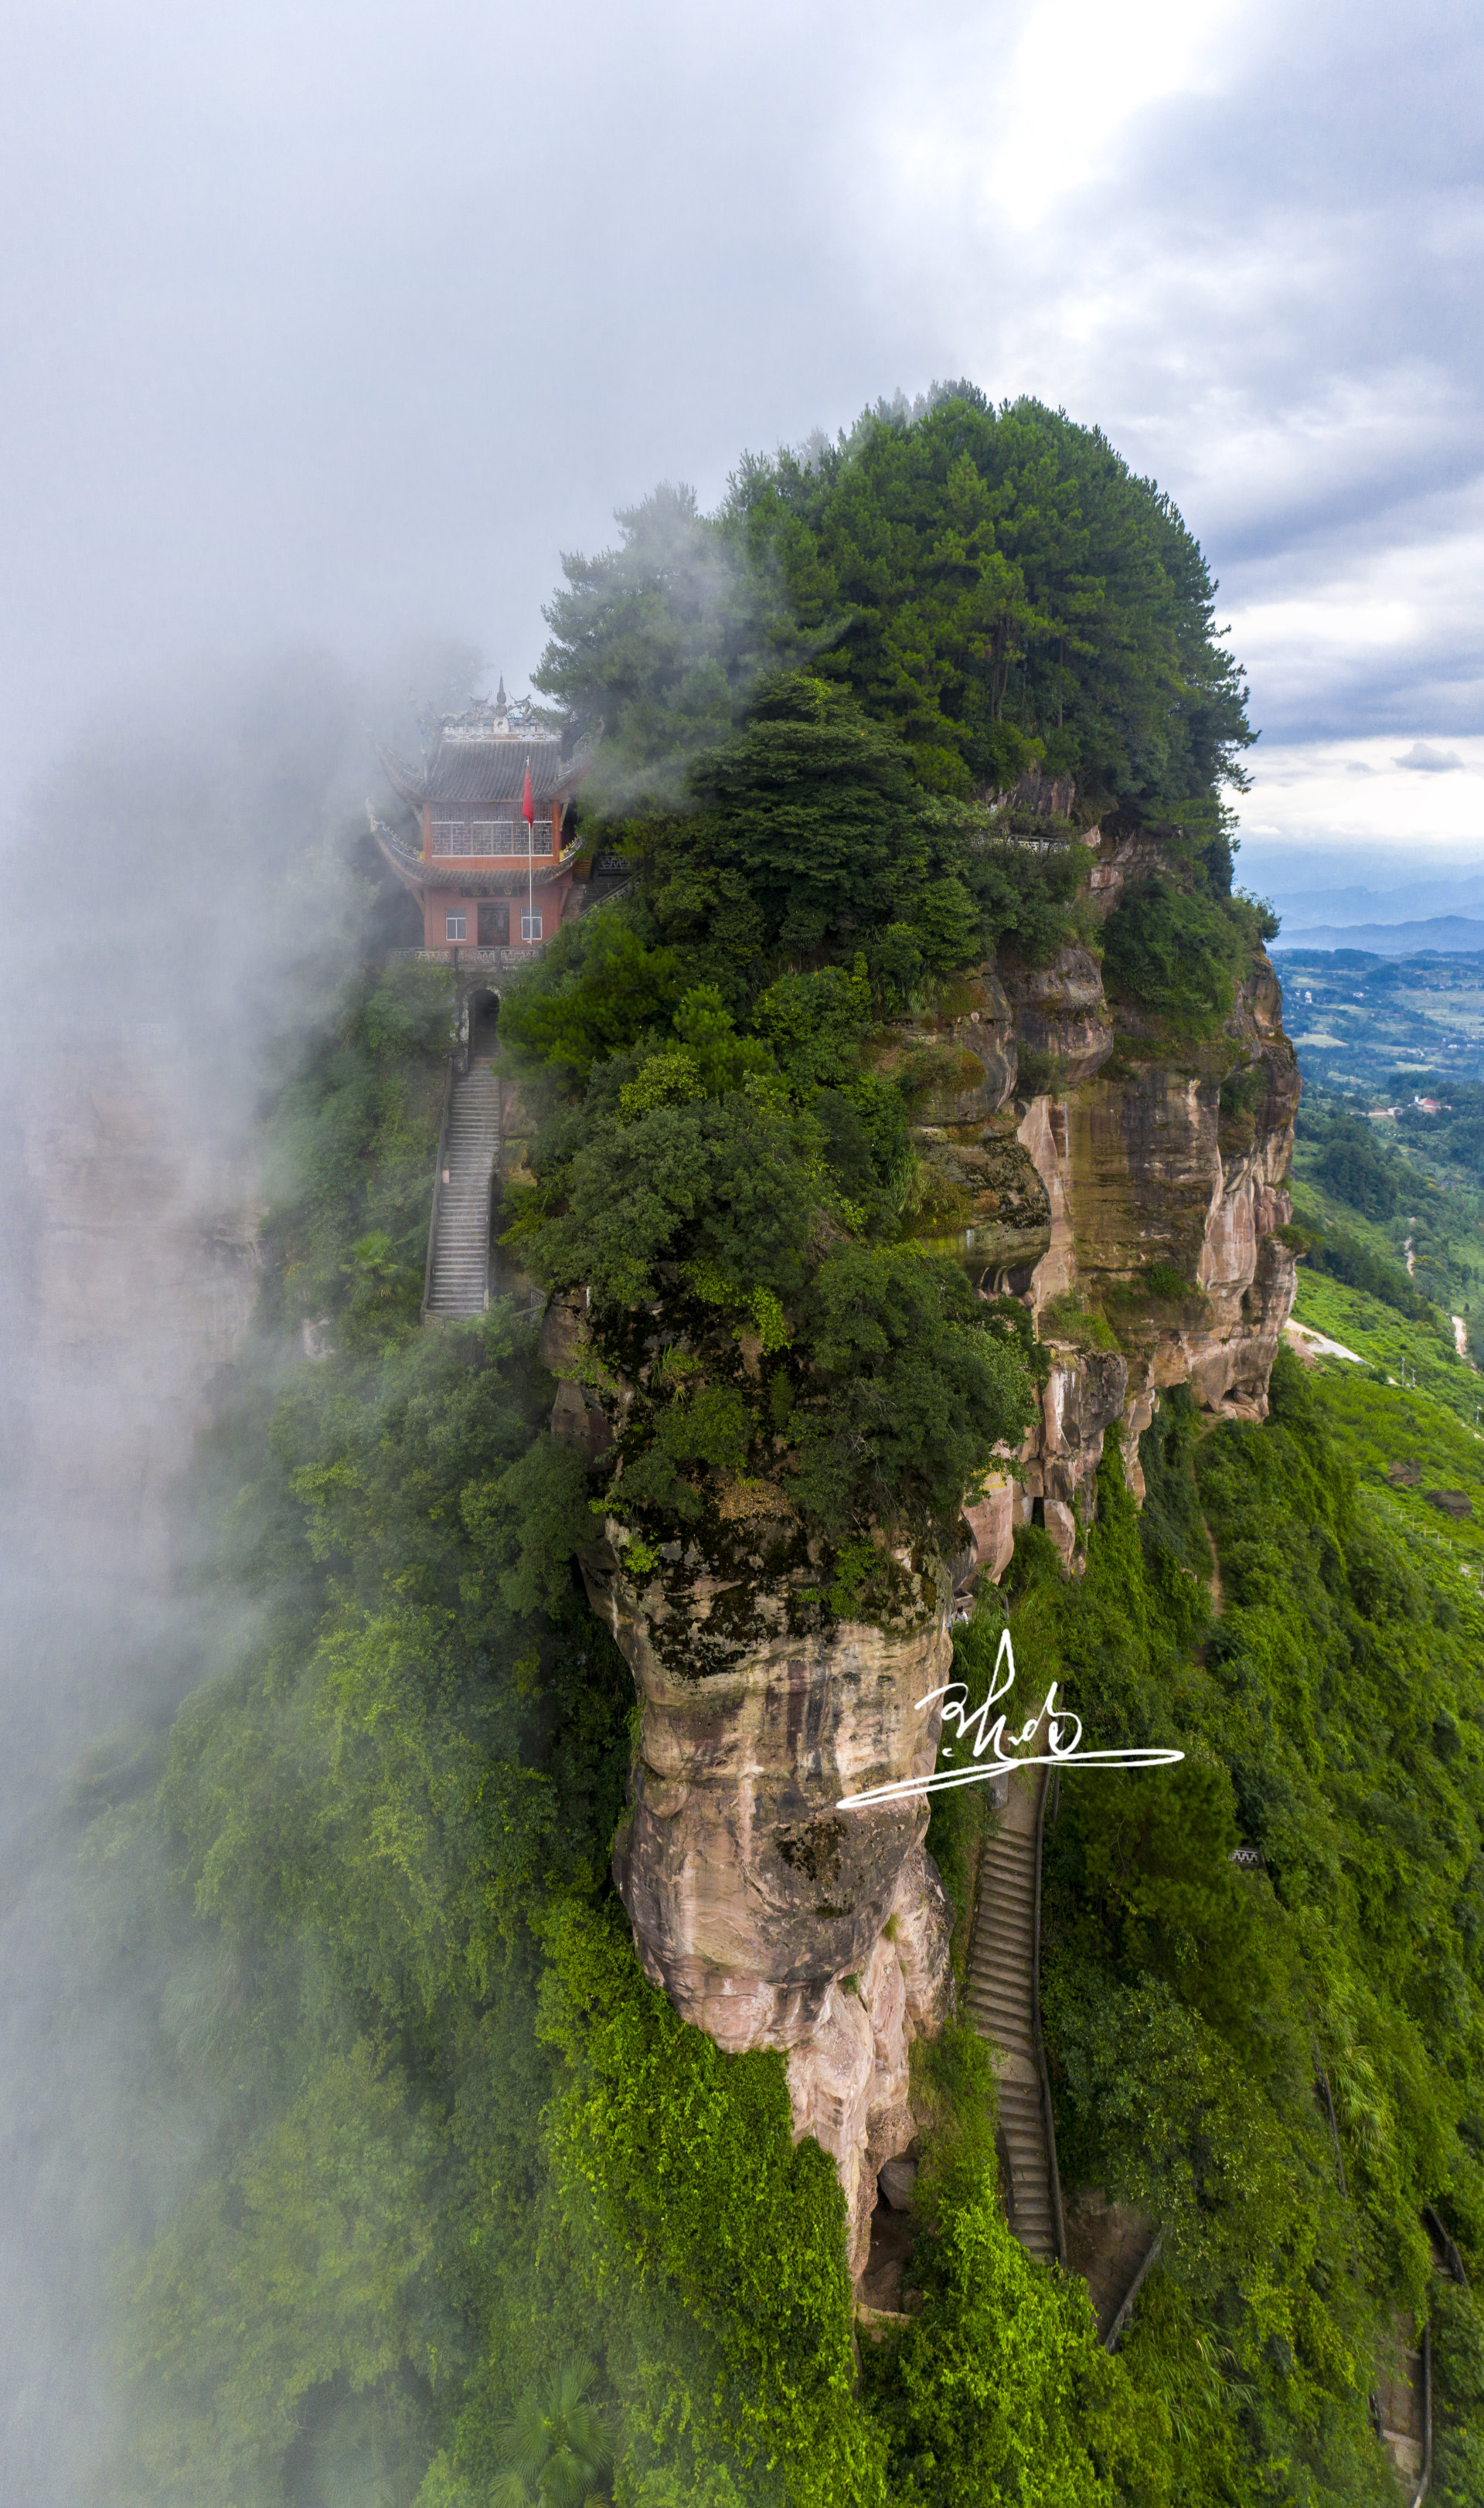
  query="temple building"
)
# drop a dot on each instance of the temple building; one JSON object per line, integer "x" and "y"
{"x": 488, "y": 878}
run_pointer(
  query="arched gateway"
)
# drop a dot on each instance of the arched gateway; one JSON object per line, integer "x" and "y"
{"x": 484, "y": 1022}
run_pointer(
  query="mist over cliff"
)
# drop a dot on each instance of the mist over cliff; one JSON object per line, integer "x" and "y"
{"x": 186, "y": 888}
{"x": 468, "y": 2042}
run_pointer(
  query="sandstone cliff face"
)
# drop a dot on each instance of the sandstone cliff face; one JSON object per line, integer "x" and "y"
{"x": 770, "y": 1916}
{"x": 1145, "y": 1167}
{"x": 1066, "y": 1150}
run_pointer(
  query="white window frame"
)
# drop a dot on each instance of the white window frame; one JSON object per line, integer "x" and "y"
{"x": 456, "y": 916}
{"x": 530, "y": 923}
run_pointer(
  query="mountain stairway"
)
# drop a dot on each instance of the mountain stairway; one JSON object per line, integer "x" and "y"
{"x": 1002, "y": 2001}
{"x": 458, "y": 1280}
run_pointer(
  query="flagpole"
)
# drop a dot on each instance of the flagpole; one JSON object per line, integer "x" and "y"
{"x": 528, "y": 813}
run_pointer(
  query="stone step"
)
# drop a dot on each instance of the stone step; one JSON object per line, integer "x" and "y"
{"x": 460, "y": 1270}
{"x": 999, "y": 1997}
{"x": 1005, "y": 1988}
{"x": 1005, "y": 1994}
{"x": 1009, "y": 2030}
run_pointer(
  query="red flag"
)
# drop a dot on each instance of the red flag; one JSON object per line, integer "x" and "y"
{"x": 528, "y": 805}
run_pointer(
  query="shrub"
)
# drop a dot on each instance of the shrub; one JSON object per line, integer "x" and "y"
{"x": 1177, "y": 956}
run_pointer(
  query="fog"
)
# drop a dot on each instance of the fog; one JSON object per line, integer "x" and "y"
{"x": 216, "y": 839}
{"x": 327, "y": 331}
{"x": 339, "y": 323}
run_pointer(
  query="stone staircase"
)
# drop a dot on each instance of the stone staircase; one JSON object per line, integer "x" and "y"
{"x": 1000, "y": 1998}
{"x": 459, "y": 1243}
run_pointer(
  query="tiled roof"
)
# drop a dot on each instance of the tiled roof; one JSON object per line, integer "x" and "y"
{"x": 487, "y": 770}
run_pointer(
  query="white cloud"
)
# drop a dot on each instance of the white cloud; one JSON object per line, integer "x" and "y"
{"x": 1424, "y": 759}
{"x": 1354, "y": 798}
{"x": 1371, "y": 625}
{"x": 309, "y": 357}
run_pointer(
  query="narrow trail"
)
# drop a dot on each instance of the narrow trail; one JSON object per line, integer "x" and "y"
{"x": 458, "y": 1277}
{"x": 1001, "y": 1996}
{"x": 1217, "y": 1596}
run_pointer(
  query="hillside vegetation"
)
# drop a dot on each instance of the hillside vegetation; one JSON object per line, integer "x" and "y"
{"x": 468, "y": 2214}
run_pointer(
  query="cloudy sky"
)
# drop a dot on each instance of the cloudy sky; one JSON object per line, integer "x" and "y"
{"x": 339, "y": 323}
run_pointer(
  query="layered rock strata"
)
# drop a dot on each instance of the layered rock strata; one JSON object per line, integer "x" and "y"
{"x": 1130, "y": 1195}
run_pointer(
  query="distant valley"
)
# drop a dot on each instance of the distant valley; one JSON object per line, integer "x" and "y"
{"x": 1360, "y": 1018}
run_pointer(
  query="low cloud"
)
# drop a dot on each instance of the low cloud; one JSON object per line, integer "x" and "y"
{"x": 1424, "y": 760}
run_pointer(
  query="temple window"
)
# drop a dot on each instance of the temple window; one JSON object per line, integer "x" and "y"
{"x": 541, "y": 837}
{"x": 450, "y": 837}
{"x": 455, "y": 926}
{"x": 531, "y": 927}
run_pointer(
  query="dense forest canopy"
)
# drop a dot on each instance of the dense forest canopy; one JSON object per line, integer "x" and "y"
{"x": 472, "y": 2217}
{"x": 994, "y": 586}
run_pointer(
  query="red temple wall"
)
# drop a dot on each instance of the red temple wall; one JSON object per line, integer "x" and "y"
{"x": 437, "y": 902}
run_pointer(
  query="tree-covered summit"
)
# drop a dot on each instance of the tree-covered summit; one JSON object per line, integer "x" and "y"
{"x": 993, "y": 586}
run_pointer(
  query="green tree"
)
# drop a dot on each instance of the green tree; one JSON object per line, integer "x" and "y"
{"x": 907, "y": 1396}
{"x": 557, "y": 2447}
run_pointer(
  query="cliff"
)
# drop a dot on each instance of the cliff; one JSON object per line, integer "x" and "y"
{"x": 1124, "y": 1184}
{"x": 134, "y": 1230}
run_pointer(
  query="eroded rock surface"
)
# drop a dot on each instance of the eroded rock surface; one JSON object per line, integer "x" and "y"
{"x": 1060, "y": 1016}
{"x": 848, "y": 2078}
{"x": 749, "y": 1892}
{"x": 1165, "y": 1201}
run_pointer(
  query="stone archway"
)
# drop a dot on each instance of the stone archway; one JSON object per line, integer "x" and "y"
{"x": 484, "y": 1018}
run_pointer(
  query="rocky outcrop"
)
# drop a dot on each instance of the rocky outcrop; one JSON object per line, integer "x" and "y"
{"x": 1127, "y": 1188}
{"x": 750, "y": 1891}
{"x": 1165, "y": 1202}
{"x": 1060, "y": 1017}
{"x": 848, "y": 2079}
{"x": 770, "y": 1916}
{"x": 989, "y": 1206}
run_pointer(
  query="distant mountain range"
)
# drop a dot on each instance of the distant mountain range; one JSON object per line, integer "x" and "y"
{"x": 1452, "y": 933}
{"x": 1317, "y": 892}
{"x": 1463, "y": 893}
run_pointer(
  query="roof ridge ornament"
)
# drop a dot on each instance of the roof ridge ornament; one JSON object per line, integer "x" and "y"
{"x": 496, "y": 718}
